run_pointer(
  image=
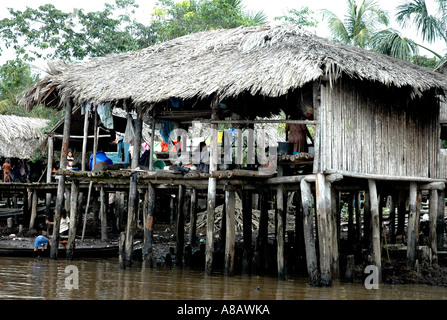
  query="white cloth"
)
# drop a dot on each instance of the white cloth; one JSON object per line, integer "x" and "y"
{"x": 64, "y": 224}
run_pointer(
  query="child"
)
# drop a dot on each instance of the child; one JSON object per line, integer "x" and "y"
{"x": 41, "y": 241}
{"x": 6, "y": 168}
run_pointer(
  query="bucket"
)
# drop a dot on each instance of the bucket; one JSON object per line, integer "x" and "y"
{"x": 284, "y": 148}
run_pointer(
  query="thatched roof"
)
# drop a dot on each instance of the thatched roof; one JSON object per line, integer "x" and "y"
{"x": 219, "y": 64}
{"x": 20, "y": 136}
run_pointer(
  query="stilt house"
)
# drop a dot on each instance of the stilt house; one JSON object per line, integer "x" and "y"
{"x": 376, "y": 125}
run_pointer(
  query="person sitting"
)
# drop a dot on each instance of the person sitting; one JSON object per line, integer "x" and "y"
{"x": 204, "y": 158}
{"x": 70, "y": 160}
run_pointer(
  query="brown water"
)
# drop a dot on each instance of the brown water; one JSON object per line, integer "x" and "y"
{"x": 99, "y": 279}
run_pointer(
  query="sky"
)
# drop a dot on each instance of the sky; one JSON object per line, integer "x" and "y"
{"x": 272, "y": 8}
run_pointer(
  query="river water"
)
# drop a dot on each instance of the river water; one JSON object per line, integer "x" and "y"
{"x": 101, "y": 279}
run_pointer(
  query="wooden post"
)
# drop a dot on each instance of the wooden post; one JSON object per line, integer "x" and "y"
{"x": 308, "y": 230}
{"x": 333, "y": 202}
{"x": 358, "y": 220}
{"x": 103, "y": 213}
{"x": 262, "y": 237}
{"x": 212, "y": 182}
{"x": 74, "y": 209}
{"x": 180, "y": 226}
{"x": 84, "y": 141}
{"x": 49, "y": 173}
{"x": 122, "y": 250}
{"x": 61, "y": 182}
{"x": 230, "y": 241}
{"x": 440, "y": 224}
{"x": 151, "y": 152}
{"x": 133, "y": 193}
{"x": 33, "y": 209}
{"x": 280, "y": 236}
{"x": 247, "y": 228}
{"x": 375, "y": 227}
{"x": 433, "y": 213}
{"x": 411, "y": 233}
{"x": 148, "y": 231}
{"x": 324, "y": 229}
{"x": 193, "y": 218}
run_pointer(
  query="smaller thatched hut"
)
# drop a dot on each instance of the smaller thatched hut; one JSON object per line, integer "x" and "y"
{"x": 20, "y": 136}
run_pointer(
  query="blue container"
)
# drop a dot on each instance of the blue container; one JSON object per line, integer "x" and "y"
{"x": 100, "y": 157}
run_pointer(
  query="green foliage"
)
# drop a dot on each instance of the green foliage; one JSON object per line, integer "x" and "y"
{"x": 302, "y": 17}
{"x": 48, "y": 32}
{"x": 171, "y": 20}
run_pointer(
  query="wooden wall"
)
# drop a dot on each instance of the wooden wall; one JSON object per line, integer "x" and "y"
{"x": 368, "y": 128}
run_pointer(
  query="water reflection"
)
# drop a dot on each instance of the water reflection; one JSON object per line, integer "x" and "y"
{"x": 99, "y": 279}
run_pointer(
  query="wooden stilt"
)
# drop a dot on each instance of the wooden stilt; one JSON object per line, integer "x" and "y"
{"x": 433, "y": 213}
{"x": 279, "y": 231}
{"x": 151, "y": 151}
{"x": 212, "y": 182}
{"x": 193, "y": 218}
{"x": 325, "y": 232}
{"x": 262, "y": 237}
{"x": 230, "y": 242}
{"x": 133, "y": 192}
{"x": 49, "y": 173}
{"x": 334, "y": 203}
{"x": 411, "y": 232}
{"x": 247, "y": 228}
{"x": 74, "y": 210}
{"x": 440, "y": 224}
{"x": 103, "y": 213}
{"x": 122, "y": 250}
{"x": 180, "y": 227}
{"x": 61, "y": 182}
{"x": 33, "y": 209}
{"x": 309, "y": 239}
{"x": 375, "y": 227}
{"x": 148, "y": 228}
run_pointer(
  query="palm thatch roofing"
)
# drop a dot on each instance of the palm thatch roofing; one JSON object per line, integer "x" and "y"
{"x": 20, "y": 137}
{"x": 267, "y": 61}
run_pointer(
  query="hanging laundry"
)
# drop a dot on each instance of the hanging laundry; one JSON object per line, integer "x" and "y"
{"x": 105, "y": 114}
{"x": 129, "y": 134}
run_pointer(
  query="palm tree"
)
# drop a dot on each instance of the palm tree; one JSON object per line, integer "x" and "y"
{"x": 362, "y": 27}
{"x": 431, "y": 27}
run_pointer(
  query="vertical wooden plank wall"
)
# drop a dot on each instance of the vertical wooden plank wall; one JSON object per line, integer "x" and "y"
{"x": 365, "y": 129}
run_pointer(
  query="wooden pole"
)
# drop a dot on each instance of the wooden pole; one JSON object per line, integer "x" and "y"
{"x": 262, "y": 237}
{"x": 433, "y": 213}
{"x": 49, "y": 173}
{"x": 103, "y": 213}
{"x": 84, "y": 141}
{"x": 148, "y": 228}
{"x": 247, "y": 198}
{"x": 180, "y": 226}
{"x": 280, "y": 236}
{"x": 122, "y": 250}
{"x": 74, "y": 210}
{"x": 212, "y": 182}
{"x": 309, "y": 238}
{"x": 151, "y": 159}
{"x": 133, "y": 193}
{"x": 375, "y": 227}
{"x": 61, "y": 182}
{"x": 33, "y": 209}
{"x": 193, "y": 218}
{"x": 333, "y": 201}
{"x": 230, "y": 239}
{"x": 440, "y": 224}
{"x": 324, "y": 229}
{"x": 411, "y": 233}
